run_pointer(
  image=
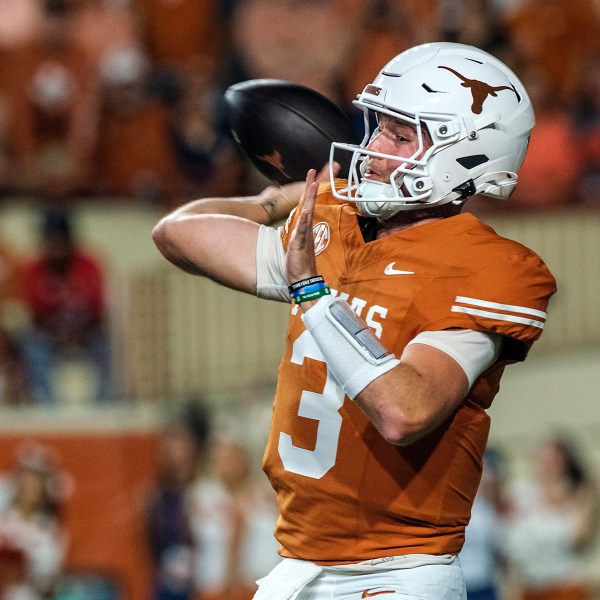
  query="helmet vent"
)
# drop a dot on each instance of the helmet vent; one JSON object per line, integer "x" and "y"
{"x": 516, "y": 92}
{"x": 470, "y": 162}
{"x": 431, "y": 90}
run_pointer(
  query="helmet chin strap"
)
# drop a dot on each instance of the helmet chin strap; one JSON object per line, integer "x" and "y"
{"x": 393, "y": 213}
{"x": 377, "y": 190}
{"x": 377, "y": 199}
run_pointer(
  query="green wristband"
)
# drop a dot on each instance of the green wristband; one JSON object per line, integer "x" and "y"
{"x": 311, "y": 295}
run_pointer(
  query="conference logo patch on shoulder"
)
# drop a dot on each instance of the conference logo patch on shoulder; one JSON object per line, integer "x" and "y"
{"x": 321, "y": 235}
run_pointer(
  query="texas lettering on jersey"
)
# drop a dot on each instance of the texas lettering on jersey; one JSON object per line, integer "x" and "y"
{"x": 373, "y": 315}
{"x": 345, "y": 494}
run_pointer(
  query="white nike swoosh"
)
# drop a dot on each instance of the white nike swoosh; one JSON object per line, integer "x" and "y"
{"x": 389, "y": 270}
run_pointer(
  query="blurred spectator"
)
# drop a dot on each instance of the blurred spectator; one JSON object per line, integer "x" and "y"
{"x": 63, "y": 291}
{"x": 14, "y": 388}
{"x": 507, "y": 7}
{"x": 207, "y": 160}
{"x": 387, "y": 30}
{"x": 555, "y": 38}
{"x": 587, "y": 129}
{"x": 309, "y": 42}
{"x": 314, "y": 43}
{"x": 33, "y": 542}
{"x": 19, "y": 24}
{"x": 475, "y": 22}
{"x": 103, "y": 26}
{"x": 9, "y": 272}
{"x": 201, "y": 32}
{"x": 549, "y": 176}
{"x": 421, "y": 18}
{"x": 168, "y": 524}
{"x": 13, "y": 377}
{"x": 4, "y": 141}
{"x": 53, "y": 104}
{"x": 391, "y": 27}
{"x": 233, "y": 518}
{"x": 552, "y": 521}
{"x": 135, "y": 155}
{"x": 481, "y": 554}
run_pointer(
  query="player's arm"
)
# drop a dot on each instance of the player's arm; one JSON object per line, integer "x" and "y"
{"x": 416, "y": 396}
{"x": 405, "y": 397}
{"x": 217, "y": 237}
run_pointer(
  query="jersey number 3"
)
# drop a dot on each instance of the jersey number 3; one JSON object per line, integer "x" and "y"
{"x": 324, "y": 408}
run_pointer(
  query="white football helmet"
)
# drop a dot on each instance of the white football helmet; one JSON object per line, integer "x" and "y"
{"x": 477, "y": 113}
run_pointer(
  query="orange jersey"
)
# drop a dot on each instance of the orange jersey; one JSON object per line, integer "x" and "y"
{"x": 345, "y": 494}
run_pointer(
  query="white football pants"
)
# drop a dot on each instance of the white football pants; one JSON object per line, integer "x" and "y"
{"x": 303, "y": 580}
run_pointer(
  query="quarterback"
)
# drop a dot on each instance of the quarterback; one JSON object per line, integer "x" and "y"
{"x": 405, "y": 312}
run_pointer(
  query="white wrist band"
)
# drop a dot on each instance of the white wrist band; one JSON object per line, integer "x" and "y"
{"x": 353, "y": 353}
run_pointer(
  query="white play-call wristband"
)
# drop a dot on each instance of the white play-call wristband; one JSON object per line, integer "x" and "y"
{"x": 353, "y": 353}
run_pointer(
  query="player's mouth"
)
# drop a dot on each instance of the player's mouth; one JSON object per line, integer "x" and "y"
{"x": 372, "y": 174}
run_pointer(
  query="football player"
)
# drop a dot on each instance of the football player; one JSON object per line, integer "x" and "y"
{"x": 405, "y": 313}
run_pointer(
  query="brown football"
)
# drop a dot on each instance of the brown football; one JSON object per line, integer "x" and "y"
{"x": 284, "y": 128}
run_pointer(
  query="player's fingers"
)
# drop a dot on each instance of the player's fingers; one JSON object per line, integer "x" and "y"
{"x": 300, "y": 230}
{"x": 326, "y": 169}
{"x": 323, "y": 174}
{"x": 298, "y": 237}
{"x": 310, "y": 178}
{"x": 310, "y": 191}
{"x": 310, "y": 196}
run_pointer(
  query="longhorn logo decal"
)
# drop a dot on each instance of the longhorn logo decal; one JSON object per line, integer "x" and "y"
{"x": 274, "y": 159}
{"x": 479, "y": 89}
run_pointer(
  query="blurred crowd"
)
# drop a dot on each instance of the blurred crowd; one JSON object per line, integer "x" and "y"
{"x": 208, "y": 516}
{"x": 123, "y": 98}
{"x": 122, "y": 101}
{"x": 59, "y": 292}
{"x": 211, "y": 517}
{"x": 204, "y": 520}
{"x": 531, "y": 534}
{"x": 33, "y": 541}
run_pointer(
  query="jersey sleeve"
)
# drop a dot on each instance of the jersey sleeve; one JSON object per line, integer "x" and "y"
{"x": 271, "y": 282}
{"x": 509, "y": 297}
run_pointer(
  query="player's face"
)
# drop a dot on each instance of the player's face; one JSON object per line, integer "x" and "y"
{"x": 396, "y": 137}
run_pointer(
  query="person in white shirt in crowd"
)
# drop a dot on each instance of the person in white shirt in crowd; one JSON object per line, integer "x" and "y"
{"x": 233, "y": 515}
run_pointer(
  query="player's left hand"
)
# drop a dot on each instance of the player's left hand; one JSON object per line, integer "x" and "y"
{"x": 300, "y": 258}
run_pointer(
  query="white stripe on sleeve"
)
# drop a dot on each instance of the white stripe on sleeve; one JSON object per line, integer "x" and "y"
{"x": 500, "y": 311}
